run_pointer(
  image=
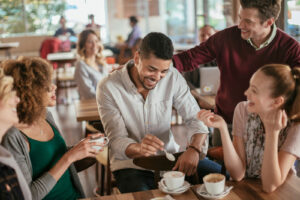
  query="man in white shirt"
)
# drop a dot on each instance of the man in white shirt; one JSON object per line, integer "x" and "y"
{"x": 135, "y": 105}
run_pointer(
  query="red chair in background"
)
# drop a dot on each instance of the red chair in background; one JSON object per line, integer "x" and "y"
{"x": 50, "y": 45}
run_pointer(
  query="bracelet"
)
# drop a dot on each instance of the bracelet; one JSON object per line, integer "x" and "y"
{"x": 198, "y": 151}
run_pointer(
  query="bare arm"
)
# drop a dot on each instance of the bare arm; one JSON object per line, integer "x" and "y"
{"x": 81, "y": 150}
{"x": 275, "y": 166}
{"x": 234, "y": 153}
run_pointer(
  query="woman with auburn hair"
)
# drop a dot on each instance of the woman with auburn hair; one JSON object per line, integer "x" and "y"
{"x": 13, "y": 184}
{"x": 266, "y": 128}
{"x": 35, "y": 142}
{"x": 91, "y": 68}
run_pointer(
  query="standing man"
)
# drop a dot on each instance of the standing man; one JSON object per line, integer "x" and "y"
{"x": 135, "y": 105}
{"x": 240, "y": 50}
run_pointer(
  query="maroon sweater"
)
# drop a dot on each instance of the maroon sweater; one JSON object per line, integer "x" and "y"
{"x": 237, "y": 61}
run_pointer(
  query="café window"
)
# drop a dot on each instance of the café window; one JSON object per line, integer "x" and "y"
{"x": 293, "y": 19}
{"x": 30, "y": 16}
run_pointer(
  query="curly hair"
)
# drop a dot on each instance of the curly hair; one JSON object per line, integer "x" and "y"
{"x": 83, "y": 36}
{"x": 32, "y": 79}
{"x": 6, "y": 86}
{"x": 266, "y": 8}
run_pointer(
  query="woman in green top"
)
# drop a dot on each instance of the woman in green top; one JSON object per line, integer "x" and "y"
{"x": 36, "y": 142}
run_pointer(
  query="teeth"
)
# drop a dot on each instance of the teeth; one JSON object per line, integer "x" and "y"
{"x": 14, "y": 109}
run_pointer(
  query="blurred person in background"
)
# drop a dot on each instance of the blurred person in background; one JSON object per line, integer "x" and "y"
{"x": 92, "y": 24}
{"x": 193, "y": 77}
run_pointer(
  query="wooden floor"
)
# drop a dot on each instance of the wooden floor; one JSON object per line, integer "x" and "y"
{"x": 73, "y": 132}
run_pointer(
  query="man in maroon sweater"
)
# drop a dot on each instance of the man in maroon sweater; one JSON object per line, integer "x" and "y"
{"x": 240, "y": 50}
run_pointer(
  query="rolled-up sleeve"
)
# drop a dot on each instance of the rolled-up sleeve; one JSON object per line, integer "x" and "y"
{"x": 113, "y": 122}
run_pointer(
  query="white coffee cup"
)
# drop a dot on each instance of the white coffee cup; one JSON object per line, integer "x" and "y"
{"x": 102, "y": 140}
{"x": 214, "y": 183}
{"x": 173, "y": 179}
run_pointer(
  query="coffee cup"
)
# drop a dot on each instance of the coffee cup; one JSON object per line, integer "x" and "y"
{"x": 173, "y": 179}
{"x": 103, "y": 140}
{"x": 214, "y": 183}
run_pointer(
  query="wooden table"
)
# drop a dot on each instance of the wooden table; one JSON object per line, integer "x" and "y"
{"x": 244, "y": 190}
{"x": 86, "y": 110}
{"x": 7, "y": 46}
{"x": 62, "y": 58}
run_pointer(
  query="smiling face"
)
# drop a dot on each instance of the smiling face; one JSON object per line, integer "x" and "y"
{"x": 251, "y": 26}
{"x": 8, "y": 111}
{"x": 259, "y": 94}
{"x": 92, "y": 45}
{"x": 150, "y": 70}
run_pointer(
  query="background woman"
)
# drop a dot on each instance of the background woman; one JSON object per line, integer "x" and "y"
{"x": 35, "y": 142}
{"x": 90, "y": 69}
{"x": 266, "y": 128}
{"x": 13, "y": 184}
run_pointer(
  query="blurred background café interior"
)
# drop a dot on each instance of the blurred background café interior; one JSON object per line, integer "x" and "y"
{"x": 28, "y": 27}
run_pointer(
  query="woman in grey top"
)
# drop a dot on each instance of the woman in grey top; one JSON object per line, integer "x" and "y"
{"x": 35, "y": 141}
{"x": 90, "y": 69}
{"x": 12, "y": 184}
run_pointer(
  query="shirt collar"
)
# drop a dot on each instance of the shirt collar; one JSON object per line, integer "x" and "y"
{"x": 128, "y": 83}
{"x": 267, "y": 42}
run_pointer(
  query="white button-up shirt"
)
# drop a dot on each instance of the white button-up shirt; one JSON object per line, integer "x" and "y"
{"x": 127, "y": 117}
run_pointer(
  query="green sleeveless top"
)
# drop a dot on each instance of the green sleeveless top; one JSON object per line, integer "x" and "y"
{"x": 43, "y": 156}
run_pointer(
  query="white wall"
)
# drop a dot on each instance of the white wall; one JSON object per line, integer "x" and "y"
{"x": 120, "y": 26}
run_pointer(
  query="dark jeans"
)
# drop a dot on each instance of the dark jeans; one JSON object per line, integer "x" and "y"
{"x": 134, "y": 180}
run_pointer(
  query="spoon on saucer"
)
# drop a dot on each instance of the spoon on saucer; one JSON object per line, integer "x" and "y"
{"x": 169, "y": 156}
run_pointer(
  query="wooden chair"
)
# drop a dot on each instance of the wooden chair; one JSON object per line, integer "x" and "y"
{"x": 159, "y": 163}
{"x": 105, "y": 178}
{"x": 85, "y": 163}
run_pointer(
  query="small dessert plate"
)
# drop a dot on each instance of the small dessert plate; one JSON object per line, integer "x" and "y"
{"x": 177, "y": 191}
{"x": 201, "y": 190}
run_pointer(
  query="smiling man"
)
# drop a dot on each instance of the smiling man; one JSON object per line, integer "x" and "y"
{"x": 135, "y": 105}
{"x": 240, "y": 50}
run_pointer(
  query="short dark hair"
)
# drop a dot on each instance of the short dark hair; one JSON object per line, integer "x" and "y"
{"x": 133, "y": 19}
{"x": 91, "y": 16}
{"x": 158, "y": 44}
{"x": 266, "y": 8}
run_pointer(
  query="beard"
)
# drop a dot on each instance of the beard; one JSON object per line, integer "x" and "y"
{"x": 144, "y": 85}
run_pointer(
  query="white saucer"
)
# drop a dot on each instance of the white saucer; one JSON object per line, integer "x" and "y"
{"x": 177, "y": 191}
{"x": 201, "y": 190}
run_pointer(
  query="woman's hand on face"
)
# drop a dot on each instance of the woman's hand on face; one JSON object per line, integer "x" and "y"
{"x": 211, "y": 119}
{"x": 275, "y": 120}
